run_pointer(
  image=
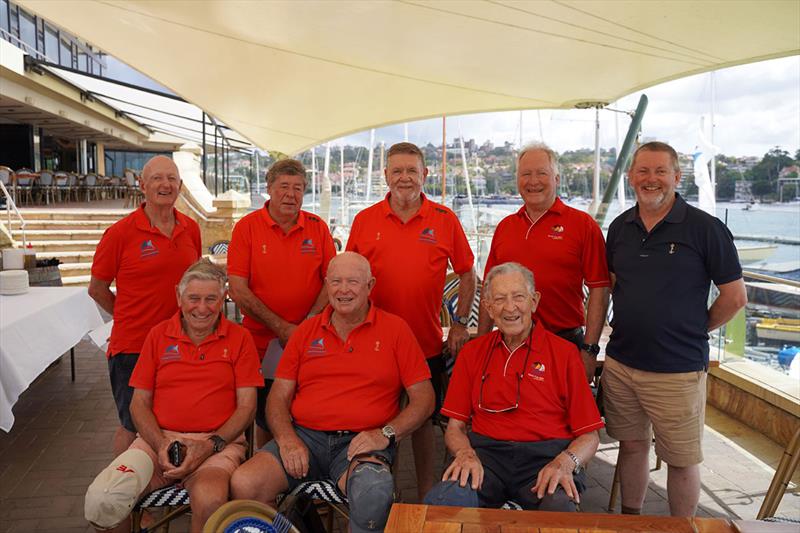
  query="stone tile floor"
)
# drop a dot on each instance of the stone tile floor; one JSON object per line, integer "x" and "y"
{"x": 62, "y": 438}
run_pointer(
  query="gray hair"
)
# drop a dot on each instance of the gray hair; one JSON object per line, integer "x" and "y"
{"x": 509, "y": 268}
{"x": 203, "y": 270}
{"x": 537, "y": 146}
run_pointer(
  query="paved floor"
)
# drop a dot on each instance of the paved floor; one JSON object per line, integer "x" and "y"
{"x": 62, "y": 438}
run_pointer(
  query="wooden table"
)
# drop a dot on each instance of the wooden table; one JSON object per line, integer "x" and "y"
{"x": 405, "y": 518}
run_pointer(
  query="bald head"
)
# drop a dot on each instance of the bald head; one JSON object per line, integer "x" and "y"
{"x": 349, "y": 282}
{"x": 351, "y": 263}
{"x": 159, "y": 163}
{"x": 160, "y": 183}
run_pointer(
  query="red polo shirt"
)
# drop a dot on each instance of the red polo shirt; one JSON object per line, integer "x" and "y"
{"x": 147, "y": 266}
{"x": 194, "y": 387}
{"x": 555, "y": 401}
{"x": 353, "y": 384}
{"x": 284, "y": 270}
{"x": 409, "y": 261}
{"x": 564, "y": 249}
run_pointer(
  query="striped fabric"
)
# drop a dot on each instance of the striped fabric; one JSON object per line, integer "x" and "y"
{"x": 170, "y": 496}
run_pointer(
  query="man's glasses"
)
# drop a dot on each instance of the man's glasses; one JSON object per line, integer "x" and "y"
{"x": 485, "y": 376}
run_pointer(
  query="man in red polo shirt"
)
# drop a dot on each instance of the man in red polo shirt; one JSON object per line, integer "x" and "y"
{"x": 534, "y": 420}
{"x": 409, "y": 241}
{"x": 146, "y": 252}
{"x": 564, "y": 249}
{"x": 195, "y": 384}
{"x": 334, "y": 407}
{"x": 277, "y": 260}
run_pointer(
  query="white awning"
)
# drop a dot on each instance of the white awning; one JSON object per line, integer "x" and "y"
{"x": 292, "y": 74}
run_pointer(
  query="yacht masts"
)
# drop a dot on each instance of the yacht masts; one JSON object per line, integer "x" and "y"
{"x": 325, "y": 193}
{"x": 369, "y": 164}
{"x": 466, "y": 180}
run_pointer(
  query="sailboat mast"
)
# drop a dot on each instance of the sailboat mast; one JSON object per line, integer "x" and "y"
{"x": 369, "y": 163}
{"x": 444, "y": 157}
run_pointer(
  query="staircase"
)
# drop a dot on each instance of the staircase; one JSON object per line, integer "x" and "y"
{"x": 69, "y": 235}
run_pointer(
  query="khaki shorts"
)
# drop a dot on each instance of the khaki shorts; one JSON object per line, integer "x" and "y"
{"x": 228, "y": 459}
{"x": 638, "y": 403}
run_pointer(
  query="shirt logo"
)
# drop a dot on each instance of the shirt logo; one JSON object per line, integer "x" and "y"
{"x": 537, "y": 371}
{"x": 263, "y": 248}
{"x": 317, "y": 347}
{"x": 428, "y": 235}
{"x": 307, "y": 247}
{"x": 147, "y": 249}
{"x": 171, "y": 353}
{"x": 557, "y": 232}
{"x": 378, "y": 236}
{"x": 377, "y": 346}
{"x": 125, "y": 470}
{"x": 672, "y": 248}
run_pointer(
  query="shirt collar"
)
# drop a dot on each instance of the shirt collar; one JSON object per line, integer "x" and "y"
{"x": 327, "y": 313}
{"x": 558, "y": 208}
{"x": 534, "y": 340}
{"x": 301, "y": 218}
{"x": 676, "y": 214}
{"x": 424, "y": 207}
{"x": 143, "y": 223}
{"x": 175, "y": 328}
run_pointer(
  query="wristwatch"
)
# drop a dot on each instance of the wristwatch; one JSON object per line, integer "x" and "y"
{"x": 578, "y": 465}
{"x": 219, "y": 443}
{"x": 388, "y": 432}
{"x": 592, "y": 349}
{"x": 462, "y": 320}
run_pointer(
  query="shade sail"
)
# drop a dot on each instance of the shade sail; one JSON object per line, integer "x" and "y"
{"x": 291, "y": 74}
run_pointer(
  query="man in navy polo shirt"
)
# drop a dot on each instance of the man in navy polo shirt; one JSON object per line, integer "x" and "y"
{"x": 663, "y": 255}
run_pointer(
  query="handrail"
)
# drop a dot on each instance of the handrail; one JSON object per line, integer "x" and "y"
{"x": 771, "y": 279}
{"x": 11, "y": 205}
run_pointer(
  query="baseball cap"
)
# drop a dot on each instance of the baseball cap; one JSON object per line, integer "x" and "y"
{"x": 113, "y": 493}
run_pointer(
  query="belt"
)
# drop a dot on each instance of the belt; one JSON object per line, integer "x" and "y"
{"x": 340, "y": 432}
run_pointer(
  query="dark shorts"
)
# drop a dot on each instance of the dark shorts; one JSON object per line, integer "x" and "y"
{"x": 327, "y": 454}
{"x": 574, "y": 335}
{"x": 437, "y": 367}
{"x": 120, "y": 368}
{"x": 261, "y": 404}
{"x": 511, "y": 468}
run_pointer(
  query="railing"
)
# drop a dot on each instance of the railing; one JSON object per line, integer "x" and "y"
{"x": 9, "y": 206}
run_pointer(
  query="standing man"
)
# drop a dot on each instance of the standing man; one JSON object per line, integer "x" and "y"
{"x": 146, "y": 252}
{"x": 409, "y": 241}
{"x": 663, "y": 256}
{"x": 564, "y": 249}
{"x": 277, "y": 260}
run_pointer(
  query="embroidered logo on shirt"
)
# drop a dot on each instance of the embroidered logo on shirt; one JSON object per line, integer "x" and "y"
{"x": 672, "y": 247}
{"x": 556, "y": 232}
{"x": 307, "y": 247}
{"x": 147, "y": 249}
{"x": 317, "y": 347}
{"x": 377, "y": 346}
{"x": 263, "y": 248}
{"x": 428, "y": 235}
{"x": 537, "y": 371}
{"x": 171, "y": 353}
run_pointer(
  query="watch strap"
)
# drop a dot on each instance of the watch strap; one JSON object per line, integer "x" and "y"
{"x": 593, "y": 349}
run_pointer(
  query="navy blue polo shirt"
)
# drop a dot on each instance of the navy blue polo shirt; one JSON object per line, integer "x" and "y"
{"x": 663, "y": 278}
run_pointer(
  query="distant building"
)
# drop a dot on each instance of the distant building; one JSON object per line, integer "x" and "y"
{"x": 743, "y": 192}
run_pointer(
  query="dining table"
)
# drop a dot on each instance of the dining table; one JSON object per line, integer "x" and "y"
{"x": 36, "y": 329}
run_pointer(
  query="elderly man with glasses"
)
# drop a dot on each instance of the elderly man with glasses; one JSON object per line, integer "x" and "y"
{"x": 534, "y": 420}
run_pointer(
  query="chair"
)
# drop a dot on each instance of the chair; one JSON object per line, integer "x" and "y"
{"x": 323, "y": 492}
{"x": 24, "y": 179}
{"x": 61, "y": 185}
{"x": 174, "y": 497}
{"x": 132, "y": 192}
{"x": 91, "y": 186}
{"x": 219, "y": 248}
{"x": 113, "y": 186}
{"x": 780, "y": 481}
{"x": 46, "y": 186}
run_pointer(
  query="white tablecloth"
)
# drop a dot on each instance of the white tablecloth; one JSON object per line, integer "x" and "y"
{"x": 37, "y": 328}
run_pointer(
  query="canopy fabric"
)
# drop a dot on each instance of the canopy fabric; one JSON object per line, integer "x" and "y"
{"x": 289, "y": 75}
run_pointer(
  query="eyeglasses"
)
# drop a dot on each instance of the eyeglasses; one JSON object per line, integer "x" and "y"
{"x": 485, "y": 376}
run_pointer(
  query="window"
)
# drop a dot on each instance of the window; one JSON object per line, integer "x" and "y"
{"x": 83, "y": 63}
{"x": 27, "y": 30}
{"x": 66, "y": 53}
{"x": 4, "y": 15}
{"x": 51, "y": 43}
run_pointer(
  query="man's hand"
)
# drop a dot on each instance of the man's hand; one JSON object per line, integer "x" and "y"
{"x": 294, "y": 455}
{"x": 456, "y": 338}
{"x": 557, "y": 472}
{"x": 197, "y": 451}
{"x": 367, "y": 441}
{"x": 466, "y": 465}
{"x": 286, "y": 332}
{"x": 163, "y": 455}
{"x": 589, "y": 365}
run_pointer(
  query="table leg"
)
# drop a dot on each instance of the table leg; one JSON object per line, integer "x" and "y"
{"x": 72, "y": 362}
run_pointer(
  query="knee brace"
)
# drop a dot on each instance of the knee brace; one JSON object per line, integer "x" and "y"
{"x": 113, "y": 493}
{"x": 369, "y": 488}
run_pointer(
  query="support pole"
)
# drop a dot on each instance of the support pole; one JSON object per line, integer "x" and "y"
{"x": 444, "y": 157}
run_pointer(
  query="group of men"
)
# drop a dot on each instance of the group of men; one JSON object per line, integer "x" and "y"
{"x": 340, "y": 339}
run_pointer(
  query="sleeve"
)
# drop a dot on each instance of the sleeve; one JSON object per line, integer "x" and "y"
{"x": 595, "y": 265}
{"x": 410, "y": 359}
{"x": 461, "y": 256}
{"x": 352, "y": 239}
{"x": 722, "y": 259}
{"x": 246, "y": 368}
{"x": 328, "y": 248}
{"x": 611, "y": 238}
{"x": 144, "y": 373}
{"x": 107, "y": 256}
{"x": 289, "y": 365}
{"x": 239, "y": 250}
{"x": 458, "y": 401}
{"x": 582, "y": 414}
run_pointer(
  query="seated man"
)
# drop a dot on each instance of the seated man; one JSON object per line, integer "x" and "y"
{"x": 195, "y": 383}
{"x": 534, "y": 421}
{"x": 334, "y": 407}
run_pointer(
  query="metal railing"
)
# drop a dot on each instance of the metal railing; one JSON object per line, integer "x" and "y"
{"x": 9, "y": 206}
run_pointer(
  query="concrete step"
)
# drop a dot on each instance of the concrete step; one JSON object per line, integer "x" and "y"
{"x": 64, "y": 246}
{"x": 67, "y": 214}
{"x": 62, "y": 224}
{"x": 75, "y": 281}
{"x": 83, "y": 256}
{"x": 33, "y": 236}
{"x": 75, "y": 269}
